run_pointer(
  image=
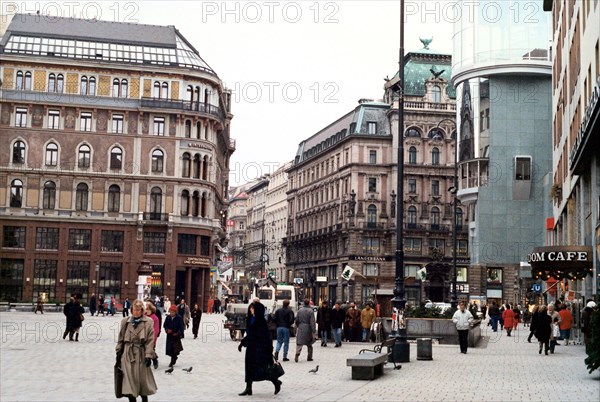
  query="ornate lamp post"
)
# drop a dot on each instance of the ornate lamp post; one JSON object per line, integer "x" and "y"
{"x": 401, "y": 351}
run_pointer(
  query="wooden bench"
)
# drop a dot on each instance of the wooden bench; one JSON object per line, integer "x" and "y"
{"x": 367, "y": 366}
{"x": 388, "y": 344}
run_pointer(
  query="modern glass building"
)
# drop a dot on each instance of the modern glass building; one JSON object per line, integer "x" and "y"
{"x": 502, "y": 73}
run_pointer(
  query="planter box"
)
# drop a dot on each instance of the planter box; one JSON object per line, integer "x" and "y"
{"x": 440, "y": 327}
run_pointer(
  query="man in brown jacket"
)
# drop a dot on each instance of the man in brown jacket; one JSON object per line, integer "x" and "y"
{"x": 367, "y": 316}
{"x": 353, "y": 318}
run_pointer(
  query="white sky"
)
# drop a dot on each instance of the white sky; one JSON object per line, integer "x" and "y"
{"x": 294, "y": 66}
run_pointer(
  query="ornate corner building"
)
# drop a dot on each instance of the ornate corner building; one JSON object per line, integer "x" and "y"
{"x": 341, "y": 197}
{"x": 115, "y": 159}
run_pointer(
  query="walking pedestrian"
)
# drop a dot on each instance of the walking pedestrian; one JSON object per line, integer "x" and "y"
{"x": 554, "y": 334}
{"x": 196, "y": 317}
{"x": 566, "y": 323}
{"x": 354, "y": 325}
{"x": 543, "y": 329}
{"x": 100, "y": 305}
{"x": 534, "y": 321}
{"x": 306, "y": 330}
{"x": 284, "y": 318}
{"x": 259, "y": 350}
{"x": 76, "y": 317}
{"x": 463, "y": 319}
{"x": 367, "y": 316}
{"x": 93, "y": 304}
{"x": 338, "y": 316}
{"x": 508, "y": 316}
{"x": 151, "y": 312}
{"x": 67, "y": 314}
{"x": 324, "y": 322}
{"x": 40, "y": 305}
{"x": 483, "y": 311}
{"x": 586, "y": 321}
{"x": 211, "y": 304}
{"x": 166, "y": 305}
{"x": 175, "y": 329}
{"x": 494, "y": 313}
{"x": 183, "y": 310}
{"x": 126, "y": 306}
{"x": 134, "y": 353}
{"x": 517, "y": 320}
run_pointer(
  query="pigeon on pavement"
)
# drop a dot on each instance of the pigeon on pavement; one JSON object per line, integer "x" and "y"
{"x": 188, "y": 370}
{"x": 314, "y": 371}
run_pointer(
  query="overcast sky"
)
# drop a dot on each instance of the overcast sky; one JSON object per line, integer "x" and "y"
{"x": 293, "y": 66}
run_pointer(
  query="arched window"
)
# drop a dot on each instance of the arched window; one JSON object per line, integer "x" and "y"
{"x": 115, "y": 88}
{"x": 185, "y": 203}
{"x": 124, "y": 88}
{"x": 436, "y": 134}
{"x": 203, "y": 202}
{"x": 60, "y": 83}
{"x": 435, "y": 156}
{"x": 411, "y": 217}
{"x": 49, "y": 199}
{"x": 92, "y": 89}
{"x": 18, "y": 154}
{"x": 164, "y": 91}
{"x": 83, "y": 157}
{"x": 116, "y": 158}
{"x": 83, "y": 86}
{"x": 188, "y": 129}
{"x": 51, "y": 154}
{"x": 114, "y": 198}
{"x": 413, "y": 132}
{"x": 16, "y": 193}
{"x": 155, "y": 203}
{"x": 157, "y": 160}
{"x": 196, "y": 167}
{"x": 195, "y": 203}
{"x": 156, "y": 90}
{"x": 412, "y": 155}
{"x": 459, "y": 219}
{"x": 185, "y": 165}
{"x": 27, "y": 86}
{"x": 190, "y": 94}
{"x": 435, "y": 218}
{"x": 19, "y": 81}
{"x": 436, "y": 94}
{"x": 205, "y": 168}
{"x": 52, "y": 82}
{"x": 81, "y": 197}
{"x": 371, "y": 216}
{"x": 198, "y": 130}
{"x": 197, "y": 97}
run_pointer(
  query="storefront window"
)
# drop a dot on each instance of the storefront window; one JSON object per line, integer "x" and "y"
{"x": 494, "y": 276}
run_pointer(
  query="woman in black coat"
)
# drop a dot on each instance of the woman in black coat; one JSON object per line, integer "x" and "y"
{"x": 259, "y": 349}
{"x": 534, "y": 321}
{"x": 175, "y": 332}
{"x": 196, "y": 317}
{"x": 543, "y": 328}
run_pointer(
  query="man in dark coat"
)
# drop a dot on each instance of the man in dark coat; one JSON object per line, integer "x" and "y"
{"x": 175, "y": 332}
{"x": 543, "y": 329}
{"x": 259, "y": 350}
{"x": 324, "y": 322}
{"x": 306, "y": 330}
{"x": 93, "y": 304}
{"x": 284, "y": 318}
{"x": 494, "y": 313}
{"x": 67, "y": 312}
{"x": 338, "y": 316}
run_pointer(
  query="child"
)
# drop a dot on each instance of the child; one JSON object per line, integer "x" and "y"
{"x": 554, "y": 334}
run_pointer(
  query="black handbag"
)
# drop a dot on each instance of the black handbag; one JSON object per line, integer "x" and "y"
{"x": 118, "y": 381}
{"x": 275, "y": 370}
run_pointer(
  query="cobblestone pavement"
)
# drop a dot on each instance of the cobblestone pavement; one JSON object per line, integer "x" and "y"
{"x": 36, "y": 364}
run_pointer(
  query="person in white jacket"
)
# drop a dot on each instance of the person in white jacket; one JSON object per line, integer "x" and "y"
{"x": 462, "y": 318}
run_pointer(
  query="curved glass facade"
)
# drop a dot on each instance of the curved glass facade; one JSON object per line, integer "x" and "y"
{"x": 492, "y": 34}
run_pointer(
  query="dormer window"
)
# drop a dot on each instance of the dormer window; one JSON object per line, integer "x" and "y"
{"x": 436, "y": 94}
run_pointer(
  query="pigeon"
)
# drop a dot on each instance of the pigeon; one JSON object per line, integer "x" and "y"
{"x": 188, "y": 370}
{"x": 169, "y": 370}
{"x": 314, "y": 371}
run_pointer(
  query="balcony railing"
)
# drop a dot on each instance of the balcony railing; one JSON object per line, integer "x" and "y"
{"x": 182, "y": 105}
{"x": 429, "y": 105}
{"x": 156, "y": 216}
{"x": 427, "y": 227}
{"x": 374, "y": 225}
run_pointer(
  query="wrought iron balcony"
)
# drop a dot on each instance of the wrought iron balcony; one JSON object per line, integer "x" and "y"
{"x": 183, "y": 105}
{"x": 156, "y": 216}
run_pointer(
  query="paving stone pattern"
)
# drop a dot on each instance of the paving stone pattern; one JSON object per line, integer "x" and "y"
{"x": 36, "y": 364}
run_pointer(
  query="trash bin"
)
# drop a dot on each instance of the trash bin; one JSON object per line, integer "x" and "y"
{"x": 424, "y": 349}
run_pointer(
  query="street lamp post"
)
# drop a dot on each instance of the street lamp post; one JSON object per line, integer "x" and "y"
{"x": 401, "y": 351}
{"x": 453, "y": 190}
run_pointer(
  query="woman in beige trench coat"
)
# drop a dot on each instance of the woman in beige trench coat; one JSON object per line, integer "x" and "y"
{"x": 135, "y": 349}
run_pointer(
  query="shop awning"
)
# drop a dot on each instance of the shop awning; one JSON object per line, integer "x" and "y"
{"x": 558, "y": 262}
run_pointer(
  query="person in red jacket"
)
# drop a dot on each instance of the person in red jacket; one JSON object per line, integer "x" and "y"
{"x": 565, "y": 324}
{"x": 509, "y": 319}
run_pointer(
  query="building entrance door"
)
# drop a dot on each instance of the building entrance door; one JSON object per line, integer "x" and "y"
{"x": 436, "y": 289}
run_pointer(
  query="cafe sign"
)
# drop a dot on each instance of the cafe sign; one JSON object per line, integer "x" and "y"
{"x": 558, "y": 262}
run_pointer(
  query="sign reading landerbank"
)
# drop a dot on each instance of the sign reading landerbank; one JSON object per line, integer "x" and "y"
{"x": 557, "y": 257}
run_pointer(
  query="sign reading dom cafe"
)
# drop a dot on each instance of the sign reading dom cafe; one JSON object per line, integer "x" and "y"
{"x": 561, "y": 262}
